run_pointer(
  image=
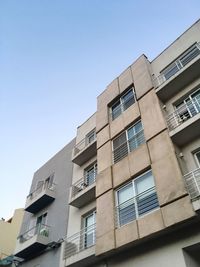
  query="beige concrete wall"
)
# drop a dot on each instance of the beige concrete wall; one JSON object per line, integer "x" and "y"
{"x": 166, "y": 251}
{"x": 85, "y": 128}
{"x": 105, "y": 237}
{"x": 103, "y": 100}
{"x": 125, "y": 79}
{"x": 181, "y": 44}
{"x": 165, "y": 168}
{"x": 9, "y": 232}
{"x": 151, "y": 115}
{"x": 142, "y": 76}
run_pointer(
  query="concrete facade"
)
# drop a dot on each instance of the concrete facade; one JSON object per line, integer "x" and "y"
{"x": 9, "y": 230}
{"x": 162, "y": 149}
{"x": 134, "y": 198}
{"x": 57, "y": 211}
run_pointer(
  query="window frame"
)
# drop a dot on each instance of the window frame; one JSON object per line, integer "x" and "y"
{"x": 127, "y": 140}
{"x": 84, "y": 219}
{"x": 92, "y": 133}
{"x": 122, "y": 103}
{"x": 133, "y": 183}
{"x": 89, "y": 168}
{"x": 197, "y": 160}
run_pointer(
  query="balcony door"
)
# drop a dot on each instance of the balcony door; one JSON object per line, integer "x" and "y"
{"x": 89, "y": 235}
{"x": 41, "y": 222}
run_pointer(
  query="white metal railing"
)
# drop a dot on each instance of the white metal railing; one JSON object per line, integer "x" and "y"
{"x": 136, "y": 206}
{"x": 83, "y": 144}
{"x": 178, "y": 64}
{"x": 129, "y": 145}
{"x": 42, "y": 187}
{"x": 183, "y": 113}
{"x": 192, "y": 182}
{"x": 122, "y": 106}
{"x": 84, "y": 182}
{"x": 80, "y": 241}
{"x": 40, "y": 229}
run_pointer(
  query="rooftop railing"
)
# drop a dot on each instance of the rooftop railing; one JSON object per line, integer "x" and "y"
{"x": 84, "y": 182}
{"x": 178, "y": 64}
{"x": 80, "y": 241}
{"x": 135, "y": 207}
{"x": 192, "y": 182}
{"x": 42, "y": 187}
{"x": 129, "y": 145}
{"x": 183, "y": 113}
{"x": 40, "y": 229}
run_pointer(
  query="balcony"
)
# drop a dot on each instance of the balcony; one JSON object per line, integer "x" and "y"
{"x": 179, "y": 73}
{"x": 80, "y": 247}
{"x": 33, "y": 241}
{"x": 192, "y": 182}
{"x": 40, "y": 198}
{"x": 184, "y": 123}
{"x": 83, "y": 191}
{"x": 84, "y": 150}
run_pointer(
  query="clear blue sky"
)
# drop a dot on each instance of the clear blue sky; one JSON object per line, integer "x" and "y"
{"x": 56, "y": 56}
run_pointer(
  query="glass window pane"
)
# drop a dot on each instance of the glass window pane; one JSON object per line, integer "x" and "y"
{"x": 126, "y": 205}
{"x": 125, "y": 193}
{"x": 116, "y": 110}
{"x": 119, "y": 140}
{"x": 144, "y": 182}
{"x": 128, "y": 99}
{"x": 198, "y": 158}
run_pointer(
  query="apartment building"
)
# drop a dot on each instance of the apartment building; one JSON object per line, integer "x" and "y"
{"x": 135, "y": 194}
{"x": 46, "y": 213}
{"x": 9, "y": 230}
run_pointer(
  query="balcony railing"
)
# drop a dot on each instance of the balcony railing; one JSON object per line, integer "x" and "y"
{"x": 39, "y": 230}
{"x": 83, "y": 183}
{"x": 177, "y": 65}
{"x": 192, "y": 182}
{"x": 135, "y": 207}
{"x": 83, "y": 144}
{"x": 122, "y": 150}
{"x": 41, "y": 188}
{"x": 183, "y": 113}
{"x": 80, "y": 241}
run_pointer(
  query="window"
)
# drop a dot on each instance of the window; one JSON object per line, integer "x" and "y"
{"x": 128, "y": 141}
{"x": 182, "y": 61}
{"x": 190, "y": 106}
{"x": 136, "y": 199}
{"x": 90, "y": 174}
{"x": 123, "y": 103}
{"x": 197, "y": 157}
{"x": 90, "y": 137}
{"x": 89, "y": 233}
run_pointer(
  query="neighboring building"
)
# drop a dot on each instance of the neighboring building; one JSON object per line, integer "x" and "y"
{"x": 9, "y": 231}
{"x": 135, "y": 194}
{"x": 45, "y": 220}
